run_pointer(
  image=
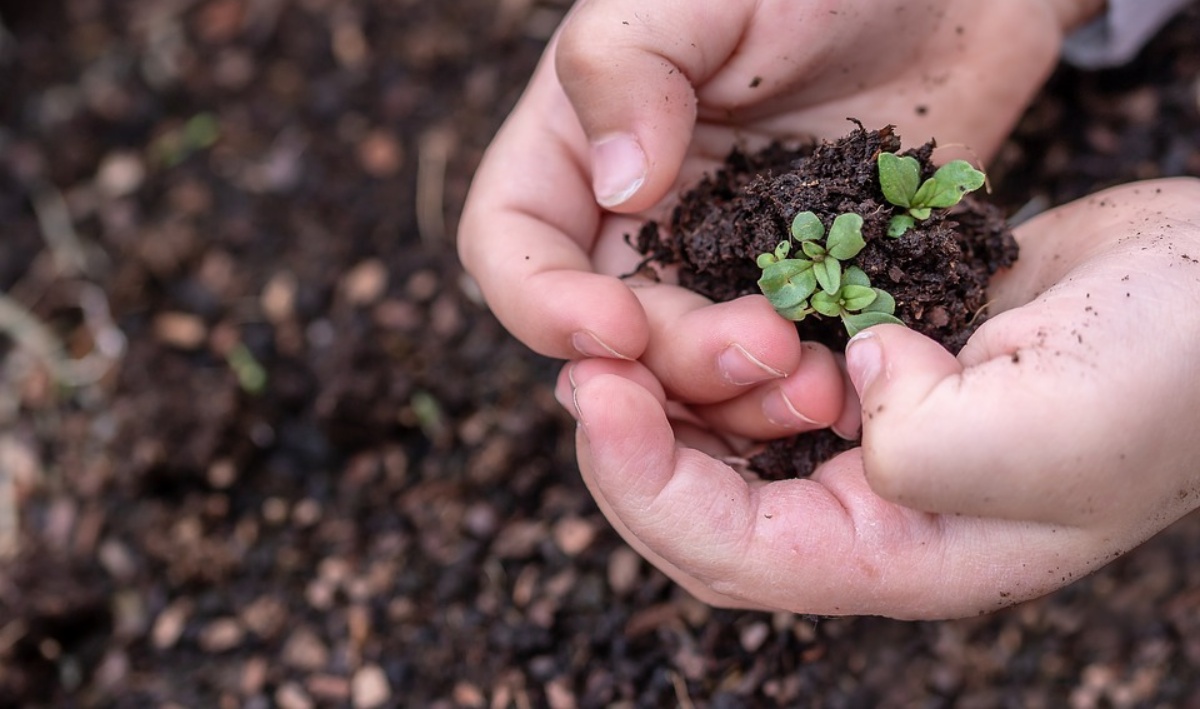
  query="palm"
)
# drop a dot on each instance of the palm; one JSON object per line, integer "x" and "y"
{"x": 932, "y": 79}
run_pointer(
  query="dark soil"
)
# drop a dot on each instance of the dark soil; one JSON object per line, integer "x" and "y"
{"x": 938, "y": 271}
{"x": 395, "y": 518}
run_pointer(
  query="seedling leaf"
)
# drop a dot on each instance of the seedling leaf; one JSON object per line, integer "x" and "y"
{"x": 788, "y": 283}
{"x": 807, "y": 227}
{"x": 813, "y": 250}
{"x": 855, "y": 276}
{"x": 826, "y": 304}
{"x": 900, "y": 224}
{"x": 857, "y": 297}
{"x": 845, "y": 237}
{"x": 899, "y": 177}
{"x": 797, "y": 313}
{"x": 829, "y": 274}
{"x": 883, "y": 303}
{"x": 947, "y": 186}
{"x": 858, "y": 322}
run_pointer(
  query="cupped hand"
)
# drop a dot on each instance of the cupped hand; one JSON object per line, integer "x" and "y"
{"x": 1059, "y": 438}
{"x": 633, "y": 101}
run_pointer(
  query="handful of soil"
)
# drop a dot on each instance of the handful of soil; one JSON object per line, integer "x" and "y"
{"x": 938, "y": 271}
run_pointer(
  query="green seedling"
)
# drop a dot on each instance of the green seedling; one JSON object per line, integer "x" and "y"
{"x": 858, "y": 304}
{"x": 816, "y": 281}
{"x": 900, "y": 178}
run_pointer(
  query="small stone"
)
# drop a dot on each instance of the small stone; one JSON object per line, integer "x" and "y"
{"x": 182, "y": 330}
{"x": 117, "y": 560}
{"x": 574, "y": 534}
{"x": 468, "y": 695}
{"x": 120, "y": 174}
{"x": 623, "y": 567}
{"x": 305, "y": 651}
{"x": 254, "y": 676}
{"x": 222, "y": 474}
{"x": 753, "y": 636}
{"x": 422, "y": 285}
{"x": 370, "y": 688}
{"x": 169, "y": 625}
{"x": 278, "y": 299}
{"x": 222, "y": 635}
{"x": 559, "y": 695}
{"x": 265, "y": 616}
{"x": 292, "y": 696}
{"x": 365, "y": 283}
{"x": 380, "y": 154}
{"x": 328, "y": 688}
{"x": 112, "y": 672}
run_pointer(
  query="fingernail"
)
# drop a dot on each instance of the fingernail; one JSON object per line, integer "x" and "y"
{"x": 618, "y": 169}
{"x": 566, "y": 399}
{"x": 779, "y": 410}
{"x": 864, "y": 360}
{"x": 588, "y": 344}
{"x": 740, "y": 367}
{"x": 580, "y": 419}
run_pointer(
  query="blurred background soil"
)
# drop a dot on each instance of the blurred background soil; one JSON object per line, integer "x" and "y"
{"x": 261, "y": 444}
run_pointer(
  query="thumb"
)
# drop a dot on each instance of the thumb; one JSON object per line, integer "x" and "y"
{"x": 629, "y": 69}
{"x": 985, "y": 440}
{"x": 894, "y": 371}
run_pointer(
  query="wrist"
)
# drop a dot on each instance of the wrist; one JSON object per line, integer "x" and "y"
{"x": 1073, "y": 14}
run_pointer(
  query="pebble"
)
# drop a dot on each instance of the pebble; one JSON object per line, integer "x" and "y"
{"x": 370, "y": 688}
{"x": 169, "y": 625}
{"x": 254, "y": 675}
{"x": 292, "y": 696}
{"x": 624, "y": 564}
{"x": 365, "y": 283}
{"x": 182, "y": 330}
{"x": 305, "y": 651}
{"x": 330, "y": 689}
{"x": 117, "y": 560}
{"x": 222, "y": 635}
{"x": 380, "y": 154}
{"x": 573, "y": 535}
{"x": 753, "y": 636}
{"x": 120, "y": 174}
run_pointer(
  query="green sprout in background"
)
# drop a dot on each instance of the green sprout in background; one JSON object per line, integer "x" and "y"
{"x": 900, "y": 178}
{"x": 817, "y": 283}
{"x": 198, "y": 133}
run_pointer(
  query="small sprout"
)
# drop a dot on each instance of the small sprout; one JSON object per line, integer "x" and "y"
{"x": 900, "y": 178}
{"x": 799, "y": 287}
{"x": 251, "y": 375}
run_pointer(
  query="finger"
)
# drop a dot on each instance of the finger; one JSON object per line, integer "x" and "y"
{"x": 996, "y": 440}
{"x": 1052, "y": 403}
{"x": 629, "y": 68}
{"x": 849, "y": 423}
{"x": 809, "y": 399}
{"x": 704, "y": 352}
{"x": 576, "y": 373}
{"x": 826, "y": 545}
{"x": 527, "y": 231}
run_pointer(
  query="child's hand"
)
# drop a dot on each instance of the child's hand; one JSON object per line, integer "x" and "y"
{"x": 1060, "y": 438}
{"x": 635, "y": 100}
